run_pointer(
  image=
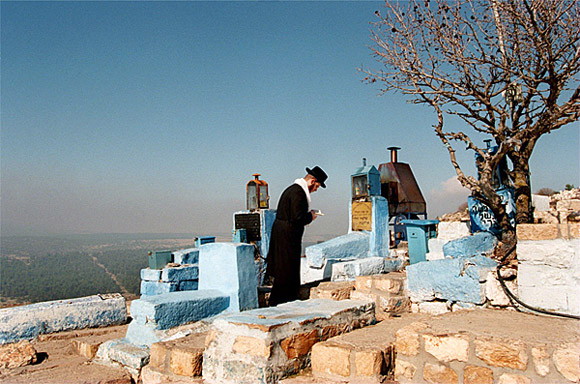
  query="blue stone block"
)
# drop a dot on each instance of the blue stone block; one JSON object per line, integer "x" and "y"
{"x": 204, "y": 240}
{"x": 230, "y": 268}
{"x": 188, "y": 285}
{"x": 481, "y": 243}
{"x": 186, "y": 256}
{"x": 380, "y": 237}
{"x": 176, "y": 308}
{"x": 343, "y": 248}
{"x": 151, "y": 274}
{"x": 151, "y": 288}
{"x": 449, "y": 279}
{"x": 28, "y": 321}
{"x": 189, "y": 272}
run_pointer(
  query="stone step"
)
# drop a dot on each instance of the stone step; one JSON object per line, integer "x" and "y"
{"x": 265, "y": 345}
{"x": 181, "y": 357}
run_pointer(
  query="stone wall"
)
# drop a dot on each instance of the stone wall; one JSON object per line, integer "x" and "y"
{"x": 549, "y": 266}
{"x": 427, "y": 357}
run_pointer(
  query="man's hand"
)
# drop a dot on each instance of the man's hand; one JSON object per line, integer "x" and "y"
{"x": 314, "y": 215}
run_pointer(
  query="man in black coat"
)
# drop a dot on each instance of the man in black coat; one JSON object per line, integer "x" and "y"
{"x": 292, "y": 215}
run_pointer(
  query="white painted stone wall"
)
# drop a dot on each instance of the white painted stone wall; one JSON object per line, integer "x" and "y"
{"x": 549, "y": 270}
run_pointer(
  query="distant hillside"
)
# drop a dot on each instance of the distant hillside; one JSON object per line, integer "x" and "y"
{"x": 34, "y": 269}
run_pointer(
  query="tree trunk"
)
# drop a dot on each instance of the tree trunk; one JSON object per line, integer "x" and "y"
{"x": 522, "y": 188}
{"x": 505, "y": 252}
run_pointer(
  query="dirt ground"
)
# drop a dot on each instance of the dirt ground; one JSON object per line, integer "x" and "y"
{"x": 59, "y": 363}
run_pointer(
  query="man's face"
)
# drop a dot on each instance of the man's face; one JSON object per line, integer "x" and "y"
{"x": 313, "y": 186}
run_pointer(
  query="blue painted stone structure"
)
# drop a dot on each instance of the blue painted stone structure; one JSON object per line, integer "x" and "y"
{"x": 380, "y": 238}
{"x": 161, "y": 312}
{"x": 186, "y": 256}
{"x": 481, "y": 243}
{"x": 204, "y": 240}
{"x": 352, "y": 246}
{"x": 267, "y": 218}
{"x": 169, "y": 279}
{"x": 230, "y": 268}
{"x": 29, "y": 321}
{"x": 342, "y": 248}
{"x": 349, "y": 270}
{"x": 455, "y": 280}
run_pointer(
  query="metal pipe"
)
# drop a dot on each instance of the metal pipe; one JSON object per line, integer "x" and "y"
{"x": 393, "y": 153}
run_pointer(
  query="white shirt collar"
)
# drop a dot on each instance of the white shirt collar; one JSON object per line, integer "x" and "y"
{"x": 304, "y": 185}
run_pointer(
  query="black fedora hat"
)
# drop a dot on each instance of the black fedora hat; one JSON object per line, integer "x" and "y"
{"x": 318, "y": 174}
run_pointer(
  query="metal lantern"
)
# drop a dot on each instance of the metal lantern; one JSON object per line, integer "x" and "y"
{"x": 257, "y": 194}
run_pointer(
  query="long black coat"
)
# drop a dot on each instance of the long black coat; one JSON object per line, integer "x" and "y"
{"x": 286, "y": 244}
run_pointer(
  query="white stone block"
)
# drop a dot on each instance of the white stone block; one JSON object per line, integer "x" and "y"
{"x": 309, "y": 274}
{"x": 549, "y": 298}
{"x": 434, "y": 256}
{"x": 557, "y": 253}
{"x": 433, "y": 307}
{"x": 451, "y": 230}
{"x": 362, "y": 267}
{"x": 541, "y": 203}
{"x": 543, "y": 275}
{"x": 495, "y": 293}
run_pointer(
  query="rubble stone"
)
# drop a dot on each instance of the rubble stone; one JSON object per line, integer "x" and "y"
{"x": 505, "y": 353}
{"x": 329, "y": 359}
{"x": 477, "y": 375}
{"x": 541, "y": 359}
{"x": 251, "y": 346}
{"x": 447, "y": 347}
{"x": 567, "y": 361}
{"x": 159, "y": 355}
{"x": 85, "y": 348}
{"x": 495, "y": 293}
{"x": 17, "y": 355}
{"x": 300, "y": 344}
{"x": 368, "y": 363}
{"x": 439, "y": 374}
{"x": 150, "y": 375}
{"x": 186, "y": 361}
{"x": 335, "y": 290}
{"x": 407, "y": 339}
{"x": 404, "y": 370}
{"x": 537, "y": 231}
{"x": 510, "y": 378}
{"x": 433, "y": 307}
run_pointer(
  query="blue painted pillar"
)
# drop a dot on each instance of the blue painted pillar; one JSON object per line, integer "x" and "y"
{"x": 380, "y": 238}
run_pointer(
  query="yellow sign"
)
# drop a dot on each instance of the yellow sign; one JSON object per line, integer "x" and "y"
{"x": 361, "y": 215}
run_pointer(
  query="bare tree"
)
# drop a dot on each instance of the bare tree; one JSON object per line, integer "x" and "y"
{"x": 507, "y": 68}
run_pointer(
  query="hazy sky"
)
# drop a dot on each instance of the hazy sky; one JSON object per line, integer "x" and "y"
{"x": 152, "y": 116}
